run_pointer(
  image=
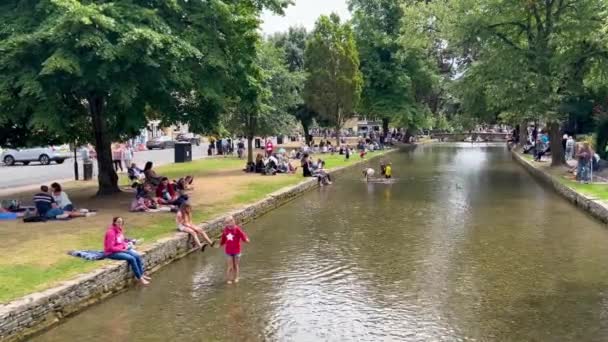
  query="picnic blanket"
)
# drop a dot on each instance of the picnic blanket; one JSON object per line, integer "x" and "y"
{"x": 88, "y": 255}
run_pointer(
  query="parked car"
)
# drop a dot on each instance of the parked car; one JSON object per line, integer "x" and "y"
{"x": 44, "y": 155}
{"x": 160, "y": 143}
{"x": 189, "y": 137}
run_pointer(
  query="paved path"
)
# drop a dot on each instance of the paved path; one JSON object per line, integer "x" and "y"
{"x": 20, "y": 176}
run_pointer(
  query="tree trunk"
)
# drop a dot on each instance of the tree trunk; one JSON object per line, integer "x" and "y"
{"x": 306, "y": 129}
{"x": 407, "y": 135}
{"x": 249, "y": 149}
{"x": 601, "y": 132}
{"x": 337, "y": 136}
{"x": 523, "y": 133}
{"x": 385, "y": 122}
{"x": 75, "y": 162}
{"x": 107, "y": 177}
{"x": 557, "y": 150}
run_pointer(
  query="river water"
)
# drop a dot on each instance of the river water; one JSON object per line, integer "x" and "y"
{"x": 464, "y": 246}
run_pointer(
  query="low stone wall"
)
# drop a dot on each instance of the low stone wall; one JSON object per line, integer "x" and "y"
{"x": 34, "y": 313}
{"x": 594, "y": 206}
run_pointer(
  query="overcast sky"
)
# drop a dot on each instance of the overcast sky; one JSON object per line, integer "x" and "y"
{"x": 304, "y": 13}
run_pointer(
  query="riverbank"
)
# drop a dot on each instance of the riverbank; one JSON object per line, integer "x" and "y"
{"x": 33, "y": 313}
{"x": 592, "y": 198}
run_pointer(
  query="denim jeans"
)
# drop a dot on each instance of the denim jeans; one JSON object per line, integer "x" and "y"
{"x": 583, "y": 171}
{"x": 134, "y": 260}
{"x": 53, "y": 213}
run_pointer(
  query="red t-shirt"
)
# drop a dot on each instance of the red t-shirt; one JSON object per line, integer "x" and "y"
{"x": 231, "y": 239}
{"x": 269, "y": 146}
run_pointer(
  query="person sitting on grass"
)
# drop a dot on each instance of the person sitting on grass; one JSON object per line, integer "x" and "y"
{"x": 63, "y": 202}
{"x": 306, "y": 166}
{"x": 48, "y": 208}
{"x": 184, "y": 184}
{"x": 183, "y": 219}
{"x": 135, "y": 173}
{"x": 141, "y": 202}
{"x": 166, "y": 194}
{"x": 116, "y": 247}
{"x": 259, "y": 163}
{"x": 151, "y": 175}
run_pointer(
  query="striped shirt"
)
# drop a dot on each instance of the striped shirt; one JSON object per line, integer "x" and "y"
{"x": 44, "y": 202}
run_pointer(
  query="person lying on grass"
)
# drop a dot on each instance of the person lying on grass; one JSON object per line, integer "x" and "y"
{"x": 231, "y": 240}
{"x": 183, "y": 219}
{"x": 117, "y": 247}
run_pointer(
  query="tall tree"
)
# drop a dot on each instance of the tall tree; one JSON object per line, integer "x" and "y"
{"x": 293, "y": 43}
{"x": 334, "y": 83}
{"x": 108, "y": 63}
{"x": 266, "y": 97}
{"x": 397, "y": 78}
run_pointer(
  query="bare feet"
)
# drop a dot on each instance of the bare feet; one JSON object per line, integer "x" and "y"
{"x": 146, "y": 277}
{"x": 144, "y": 282}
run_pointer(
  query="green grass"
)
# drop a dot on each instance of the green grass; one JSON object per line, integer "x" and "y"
{"x": 19, "y": 280}
{"x": 199, "y": 167}
{"x": 599, "y": 191}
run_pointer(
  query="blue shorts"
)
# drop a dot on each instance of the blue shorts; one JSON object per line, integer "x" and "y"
{"x": 233, "y": 255}
{"x": 68, "y": 207}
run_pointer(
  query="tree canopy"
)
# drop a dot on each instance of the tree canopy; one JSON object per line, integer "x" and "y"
{"x": 397, "y": 78}
{"x": 106, "y": 64}
{"x": 333, "y": 86}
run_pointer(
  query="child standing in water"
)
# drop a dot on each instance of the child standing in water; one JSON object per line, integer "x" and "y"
{"x": 388, "y": 171}
{"x": 231, "y": 240}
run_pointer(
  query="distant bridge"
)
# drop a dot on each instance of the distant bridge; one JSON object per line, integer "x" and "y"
{"x": 489, "y": 136}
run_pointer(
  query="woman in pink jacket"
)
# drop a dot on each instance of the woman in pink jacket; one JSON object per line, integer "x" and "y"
{"x": 116, "y": 247}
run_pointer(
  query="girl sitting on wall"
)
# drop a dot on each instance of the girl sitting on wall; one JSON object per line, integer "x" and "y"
{"x": 117, "y": 247}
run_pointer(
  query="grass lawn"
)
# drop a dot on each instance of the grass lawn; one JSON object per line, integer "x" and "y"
{"x": 34, "y": 254}
{"x": 596, "y": 190}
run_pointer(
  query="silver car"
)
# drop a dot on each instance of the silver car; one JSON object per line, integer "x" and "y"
{"x": 44, "y": 155}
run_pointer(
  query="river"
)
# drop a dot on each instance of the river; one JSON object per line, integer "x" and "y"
{"x": 464, "y": 246}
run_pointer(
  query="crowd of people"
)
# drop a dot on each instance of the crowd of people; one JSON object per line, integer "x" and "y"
{"x": 154, "y": 191}
{"x": 580, "y": 153}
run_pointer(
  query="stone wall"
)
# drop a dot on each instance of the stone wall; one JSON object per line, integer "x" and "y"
{"x": 594, "y": 206}
{"x": 34, "y": 313}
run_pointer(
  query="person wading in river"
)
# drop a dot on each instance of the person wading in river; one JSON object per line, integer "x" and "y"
{"x": 231, "y": 240}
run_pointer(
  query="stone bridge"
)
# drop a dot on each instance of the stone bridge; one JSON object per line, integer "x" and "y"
{"x": 489, "y": 136}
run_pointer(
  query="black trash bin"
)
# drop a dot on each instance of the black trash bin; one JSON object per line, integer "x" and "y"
{"x": 258, "y": 143}
{"x": 87, "y": 171}
{"x": 183, "y": 152}
{"x": 280, "y": 140}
